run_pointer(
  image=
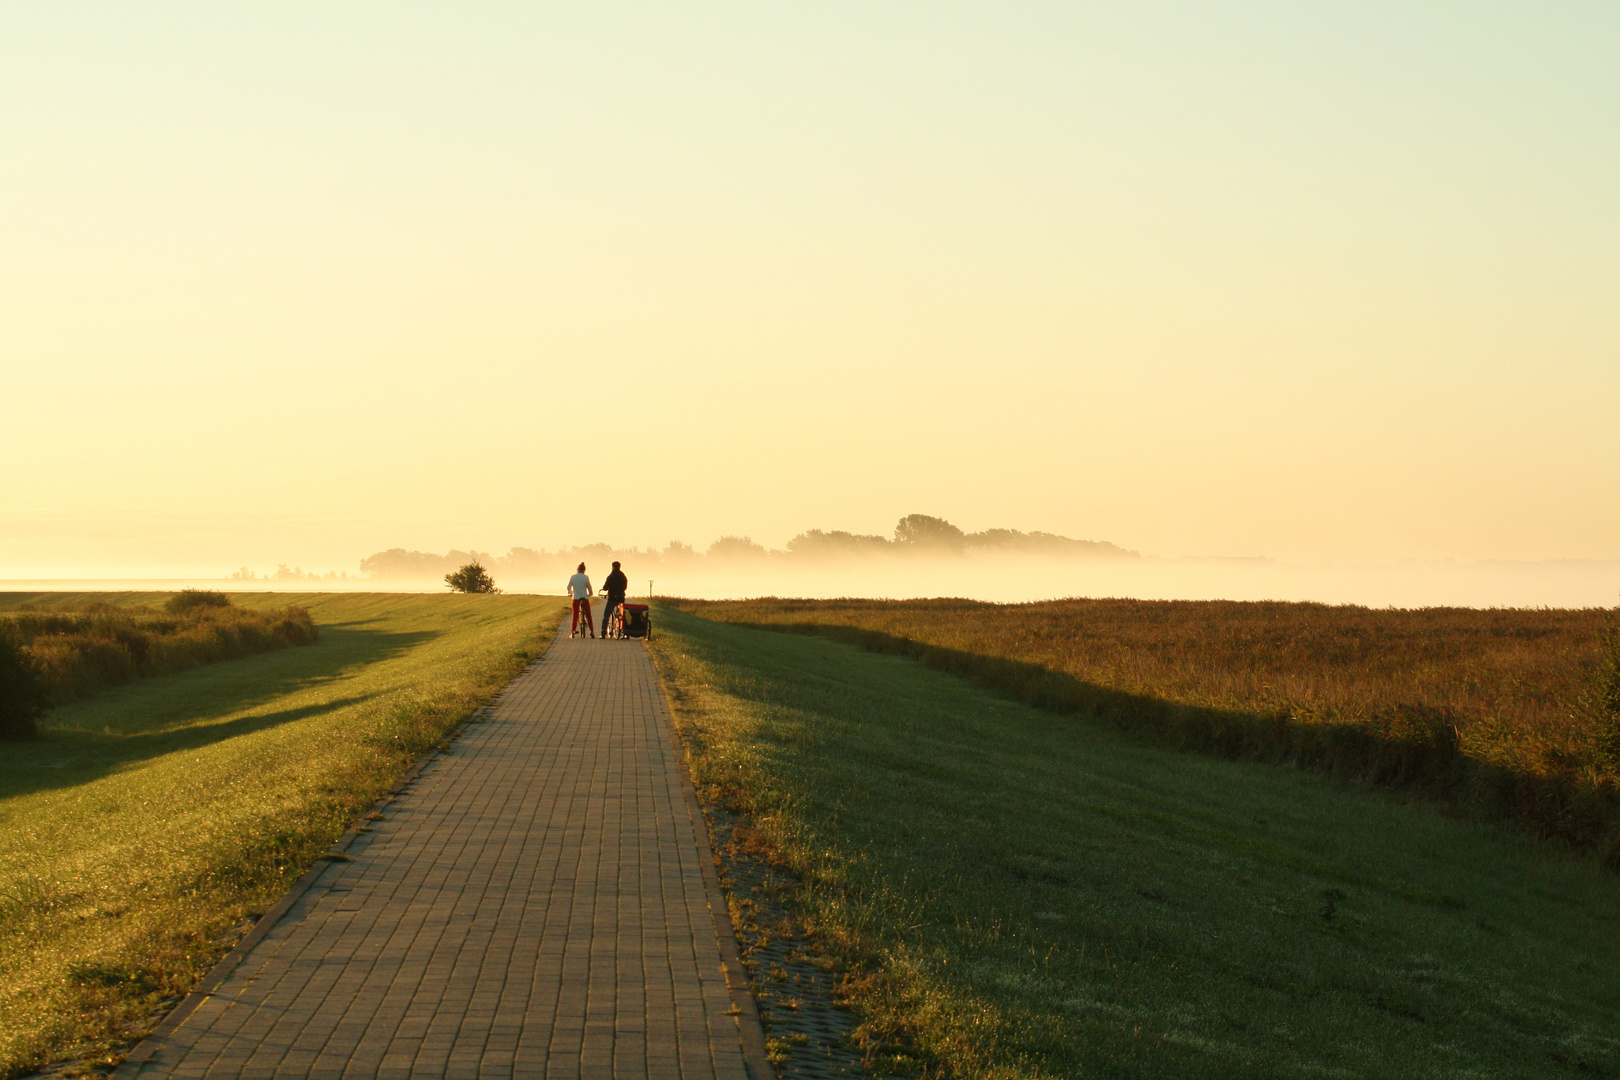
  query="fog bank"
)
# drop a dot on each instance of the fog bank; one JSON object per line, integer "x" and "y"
{"x": 1564, "y": 583}
{"x": 1560, "y": 583}
{"x": 929, "y": 557}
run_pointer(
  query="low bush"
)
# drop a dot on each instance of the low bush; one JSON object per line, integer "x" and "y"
{"x": 73, "y": 654}
{"x": 192, "y": 599}
{"x": 472, "y": 578}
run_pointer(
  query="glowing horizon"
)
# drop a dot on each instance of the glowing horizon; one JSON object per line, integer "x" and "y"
{"x": 301, "y": 284}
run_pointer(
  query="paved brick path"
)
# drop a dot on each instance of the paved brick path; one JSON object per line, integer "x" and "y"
{"x": 533, "y": 903}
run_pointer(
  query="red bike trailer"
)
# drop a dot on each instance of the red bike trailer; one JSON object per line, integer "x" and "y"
{"x": 637, "y": 621}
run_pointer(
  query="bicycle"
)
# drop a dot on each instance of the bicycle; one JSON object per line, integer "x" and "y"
{"x": 582, "y": 625}
{"x": 614, "y": 626}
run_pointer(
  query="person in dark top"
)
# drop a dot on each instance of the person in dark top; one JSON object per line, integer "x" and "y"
{"x": 614, "y": 586}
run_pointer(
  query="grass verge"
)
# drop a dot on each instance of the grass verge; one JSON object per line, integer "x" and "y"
{"x": 1508, "y": 713}
{"x": 148, "y": 826}
{"x": 1024, "y": 894}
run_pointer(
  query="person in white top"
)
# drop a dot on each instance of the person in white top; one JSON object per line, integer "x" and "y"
{"x": 579, "y": 587}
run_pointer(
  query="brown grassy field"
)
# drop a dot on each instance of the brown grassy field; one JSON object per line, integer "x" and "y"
{"x": 79, "y": 652}
{"x": 1509, "y": 713}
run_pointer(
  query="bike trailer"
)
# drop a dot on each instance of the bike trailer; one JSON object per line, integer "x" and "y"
{"x": 637, "y": 621}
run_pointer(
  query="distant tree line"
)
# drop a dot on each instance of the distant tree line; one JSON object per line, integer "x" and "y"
{"x": 284, "y": 573}
{"x": 914, "y": 534}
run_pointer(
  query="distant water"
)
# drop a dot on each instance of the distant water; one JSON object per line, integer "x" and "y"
{"x": 1561, "y": 583}
{"x": 1552, "y": 583}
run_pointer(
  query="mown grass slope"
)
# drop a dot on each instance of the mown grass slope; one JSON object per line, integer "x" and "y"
{"x": 1032, "y": 894}
{"x": 1514, "y": 714}
{"x": 149, "y": 823}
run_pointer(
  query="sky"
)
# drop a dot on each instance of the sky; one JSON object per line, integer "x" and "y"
{"x": 297, "y": 282}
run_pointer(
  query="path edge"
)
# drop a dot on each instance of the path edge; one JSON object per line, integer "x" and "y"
{"x": 146, "y": 1050}
{"x": 750, "y": 1028}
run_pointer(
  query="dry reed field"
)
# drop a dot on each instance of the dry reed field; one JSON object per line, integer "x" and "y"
{"x": 71, "y": 652}
{"x": 1510, "y": 713}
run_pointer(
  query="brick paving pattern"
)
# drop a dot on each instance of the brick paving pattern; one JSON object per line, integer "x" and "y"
{"x": 531, "y": 904}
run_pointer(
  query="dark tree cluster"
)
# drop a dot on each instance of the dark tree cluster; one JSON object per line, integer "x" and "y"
{"x": 472, "y": 578}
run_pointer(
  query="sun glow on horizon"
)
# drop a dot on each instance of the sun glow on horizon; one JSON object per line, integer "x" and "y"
{"x": 296, "y": 285}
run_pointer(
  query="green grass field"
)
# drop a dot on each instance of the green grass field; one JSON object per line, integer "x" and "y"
{"x": 1511, "y": 714}
{"x": 1029, "y": 894}
{"x": 149, "y": 824}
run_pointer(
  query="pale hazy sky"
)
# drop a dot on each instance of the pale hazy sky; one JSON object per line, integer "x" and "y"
{"x": 299, "y": 281}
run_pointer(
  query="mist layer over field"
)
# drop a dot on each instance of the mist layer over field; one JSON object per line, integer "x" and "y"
{"x": 1565, "y": 583}
{"x": 928, "y": 557}
{"x": 1012, "y": 579}
{"x": 1017, "y": 579}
